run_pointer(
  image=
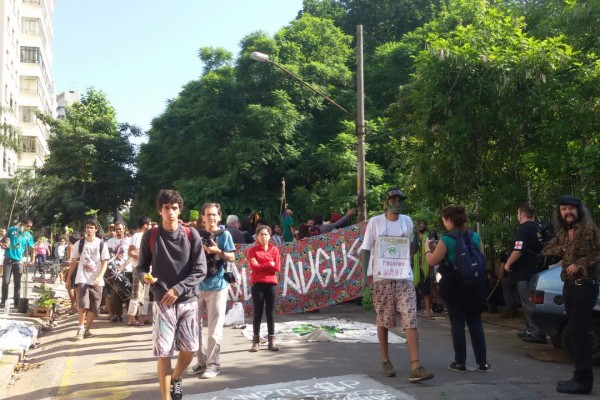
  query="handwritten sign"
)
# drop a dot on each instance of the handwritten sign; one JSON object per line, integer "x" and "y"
{"x": 315, "y": 272}
{"x": 337, "y": 387}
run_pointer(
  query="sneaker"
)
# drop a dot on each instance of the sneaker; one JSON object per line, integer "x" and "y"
{"x": 196, "y": 369}
{"x": 176, "y": 389}
{"x": 88, "y": 334}
{"x": 211, "y": 372}
{"x": 388, "y": 369}
{"x": 457, "y": 367}
{"x": 521, "y": 335}
{"x": 484, "y": 367}
{"x": 419, "y": 374}
{"x": 80, "y": 333}
{"x": 534, "y": 339}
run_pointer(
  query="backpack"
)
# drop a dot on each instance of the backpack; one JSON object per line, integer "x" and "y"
{"x": 154, "y": 233}
{"x": 82, "y": 243}
{"x": 469, "y": 267}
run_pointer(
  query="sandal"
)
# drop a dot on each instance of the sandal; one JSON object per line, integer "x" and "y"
{"x": 135, "y": 323}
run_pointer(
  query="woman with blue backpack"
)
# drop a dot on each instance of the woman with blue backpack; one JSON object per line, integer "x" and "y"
{"x": 463, "y": 285}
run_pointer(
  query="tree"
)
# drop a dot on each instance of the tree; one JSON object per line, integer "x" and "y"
{"x": 91, "y": 160}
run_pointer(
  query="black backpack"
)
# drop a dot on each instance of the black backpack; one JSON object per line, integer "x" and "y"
{"x": 469, "y": 267}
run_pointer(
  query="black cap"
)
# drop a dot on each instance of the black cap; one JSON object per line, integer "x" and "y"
{"x": 391, "y": 192}
{"x": 571, "y": 200}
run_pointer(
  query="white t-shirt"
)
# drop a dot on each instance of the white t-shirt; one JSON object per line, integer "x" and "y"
{"x": 379, "y": 225}
{"x": 90, "y": 262}
{"x": 136, "y": 240}
{"x": 120, "y": 247}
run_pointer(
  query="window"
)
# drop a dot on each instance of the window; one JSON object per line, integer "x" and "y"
{"x": 31, "y": 26}
{"x": 27, "y": 114}
{"x": 31, "y": 55}
{"x": 29, "y": 144}
{"x": 29, "y": 84}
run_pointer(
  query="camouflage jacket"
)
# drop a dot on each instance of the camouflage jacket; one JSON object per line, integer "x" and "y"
{"x": 583, "y": 250}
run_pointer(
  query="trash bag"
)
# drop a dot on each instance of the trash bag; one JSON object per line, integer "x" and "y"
{"x": 235, "y": 316}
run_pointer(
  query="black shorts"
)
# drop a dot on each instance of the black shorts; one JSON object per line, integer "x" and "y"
{"x": 73, "y": 276}
{"x": 424, "y": 286}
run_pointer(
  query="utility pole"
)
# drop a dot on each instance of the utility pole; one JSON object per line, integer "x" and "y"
{"x": 360, "y": 127}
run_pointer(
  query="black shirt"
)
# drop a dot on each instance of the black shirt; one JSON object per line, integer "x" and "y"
{"x": 528, "y": 241}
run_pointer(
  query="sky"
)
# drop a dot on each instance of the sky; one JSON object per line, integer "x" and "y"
{"x": 142, "y": 52}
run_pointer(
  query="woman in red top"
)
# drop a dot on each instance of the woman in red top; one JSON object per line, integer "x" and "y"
{"x": 264, "y": 262}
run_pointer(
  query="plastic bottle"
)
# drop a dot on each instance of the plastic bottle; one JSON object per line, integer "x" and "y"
{"x": 6, "y": 310}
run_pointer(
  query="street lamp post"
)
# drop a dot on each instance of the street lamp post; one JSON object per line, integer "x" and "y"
{"x": 360, "y": 124}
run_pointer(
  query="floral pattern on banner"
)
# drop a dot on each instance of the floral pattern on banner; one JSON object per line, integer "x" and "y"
{"x": 316, "y": 272}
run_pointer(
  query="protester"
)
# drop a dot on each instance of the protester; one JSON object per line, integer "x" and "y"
{"x": 510, "y": 292}
{"x": 276, "y": 237}
{"x": 265, "y": 262}
{"x": 118, "y": 247}
{"x": 287, "y": 225}
{"x": 464, "y": 305}
{"x": 232, "y": 225}
{"x": 393, "y": 298}
{"x": 521, "y": 265}
{"x": 60, "y": 251}
{"x": 422, "y": 271}
{"x": 138, "y": 304}
{"x": 70, "y": 284}
{"x": 303, "y": 231}
{"x": 326, "y": 227}
{"x": 212, "y": 299}
{"x": 577, "y": 242}
{"x": 90, "y": 259}
{"x": 178, "y": 267}
{"x": 19, "y": 238}
{"x": 42, "y": 250}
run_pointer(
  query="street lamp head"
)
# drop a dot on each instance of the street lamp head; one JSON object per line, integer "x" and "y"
{"x": 258, "y": 56}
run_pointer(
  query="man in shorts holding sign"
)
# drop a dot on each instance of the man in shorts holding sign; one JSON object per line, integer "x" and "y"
{"x": 387, "y": 237}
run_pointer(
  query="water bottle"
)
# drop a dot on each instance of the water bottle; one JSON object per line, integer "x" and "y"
{"x": 6, "y": 310}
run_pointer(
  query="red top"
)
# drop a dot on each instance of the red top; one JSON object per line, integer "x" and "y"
{"x": 265, "y": 264}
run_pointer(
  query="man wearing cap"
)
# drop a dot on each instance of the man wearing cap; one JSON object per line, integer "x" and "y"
{"x": 577, "y": 242}
{"x": 388, "y": 237}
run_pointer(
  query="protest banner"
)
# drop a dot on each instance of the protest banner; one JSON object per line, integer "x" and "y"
{"x": 315, "y": 272}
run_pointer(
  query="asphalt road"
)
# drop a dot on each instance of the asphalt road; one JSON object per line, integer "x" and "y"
{"x": 118, "y": 364}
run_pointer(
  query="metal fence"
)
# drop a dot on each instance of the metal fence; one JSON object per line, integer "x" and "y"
{"x": 498, "y": 229}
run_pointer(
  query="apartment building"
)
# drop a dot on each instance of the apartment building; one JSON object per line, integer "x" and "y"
{"x": 26, "y": 81}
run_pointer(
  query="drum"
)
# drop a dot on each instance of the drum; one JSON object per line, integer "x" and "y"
{"x": 118, "y": 282}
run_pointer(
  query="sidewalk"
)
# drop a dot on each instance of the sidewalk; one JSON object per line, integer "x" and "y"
{"x": 10, "y": 358}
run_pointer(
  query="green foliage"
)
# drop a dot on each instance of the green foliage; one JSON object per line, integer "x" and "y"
{"x": 46, "y": 298}
{"x": 90, "y": 162}
{"x": 467, "y": 101}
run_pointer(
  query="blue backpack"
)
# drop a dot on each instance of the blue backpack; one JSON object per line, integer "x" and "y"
{"x": 469, "y": 267}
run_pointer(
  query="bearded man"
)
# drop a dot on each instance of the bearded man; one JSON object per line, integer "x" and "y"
{"x": 578, "y": 244}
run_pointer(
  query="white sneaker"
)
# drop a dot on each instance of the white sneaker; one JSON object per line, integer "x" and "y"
{"x": 80, "y": 333}
{"x": 211, "y": 372}
{"x": 196, "y": 369}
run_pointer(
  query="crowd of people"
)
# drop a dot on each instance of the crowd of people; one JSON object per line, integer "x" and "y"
{"x": 183, "y": 270}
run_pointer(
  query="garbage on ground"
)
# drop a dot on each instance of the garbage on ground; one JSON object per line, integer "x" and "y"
{"x": 15, "y": 335}
{"x": 235, "y": 316}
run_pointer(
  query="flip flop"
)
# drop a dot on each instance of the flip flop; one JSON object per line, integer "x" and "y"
{"x": 136, "y": 323}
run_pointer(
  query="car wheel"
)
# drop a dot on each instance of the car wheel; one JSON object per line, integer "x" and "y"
{"x": 595, "y": 338}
